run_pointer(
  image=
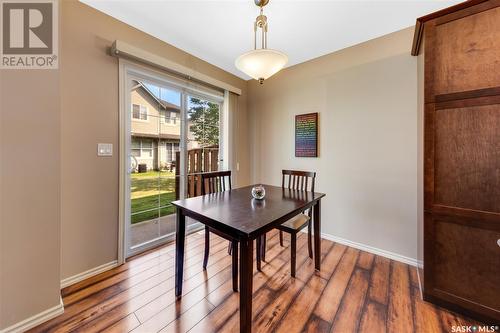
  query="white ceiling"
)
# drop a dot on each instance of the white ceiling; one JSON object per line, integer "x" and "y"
{"x": 219, "y": 31}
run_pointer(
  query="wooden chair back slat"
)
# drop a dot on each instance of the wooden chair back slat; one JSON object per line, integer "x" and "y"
{"x": 298, "y": 180}
{"x": 212, "y": 182}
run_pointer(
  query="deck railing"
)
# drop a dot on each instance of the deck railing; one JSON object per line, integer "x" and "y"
{"x": 199, "y": 160}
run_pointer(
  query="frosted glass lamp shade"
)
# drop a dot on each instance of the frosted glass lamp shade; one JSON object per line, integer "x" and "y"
{"x": 262, "y": 63}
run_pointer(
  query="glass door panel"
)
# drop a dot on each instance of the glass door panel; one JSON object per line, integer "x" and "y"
{"x": 172, "y": 137}
{"x": 154, "y": 133}
{"x": 169, "y": 158}
{"x": 203, "y": 141}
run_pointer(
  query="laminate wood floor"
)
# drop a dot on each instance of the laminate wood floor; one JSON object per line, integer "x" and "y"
{"x": 355, "y": 292}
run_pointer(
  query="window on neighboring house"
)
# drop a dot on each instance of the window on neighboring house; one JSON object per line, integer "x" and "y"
{"x": 139, "y": 112}
{"x": 171, "y": 148}
{"x": 169, "y": 152}
{"x": 135, "y": 148}
{"x": 147, "y": 148}
{"x": 164, "y": 117}
{"x": 170, "y": 117}
{"x": 141, "y": 148}
{"x": 175, "y": 148}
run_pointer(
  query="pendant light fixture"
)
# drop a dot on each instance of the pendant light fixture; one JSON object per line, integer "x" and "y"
{"x": 262, "y": 63}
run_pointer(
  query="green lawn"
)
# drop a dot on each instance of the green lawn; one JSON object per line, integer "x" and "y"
{"x": 150, "y": 190}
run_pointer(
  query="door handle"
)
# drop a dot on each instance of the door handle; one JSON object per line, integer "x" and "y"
{"x": 498, "y": 242}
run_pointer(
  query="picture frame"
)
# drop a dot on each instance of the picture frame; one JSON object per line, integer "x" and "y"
{"x": 306, "y": 135}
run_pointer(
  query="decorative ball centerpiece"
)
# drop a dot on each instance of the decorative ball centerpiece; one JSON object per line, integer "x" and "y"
{"x": 258, "y": 192}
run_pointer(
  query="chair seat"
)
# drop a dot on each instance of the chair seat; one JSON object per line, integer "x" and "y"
{"x": 295, "y": 223}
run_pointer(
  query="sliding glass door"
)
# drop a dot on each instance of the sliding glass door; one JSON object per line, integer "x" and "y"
{"x": 172, "y": 136}
{"x": 204, "y": 150}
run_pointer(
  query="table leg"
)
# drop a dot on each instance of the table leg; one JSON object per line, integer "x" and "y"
{"x": 179, "y": 250}
{"x": 246, "y": 280}
{"x": 235, "y": 265}
{"x": 317, "y": 234}
{"x": 263, "y": 252}
{"x": 258, "y": 253}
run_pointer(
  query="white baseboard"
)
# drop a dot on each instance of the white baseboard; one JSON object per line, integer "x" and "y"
{"x": 85, "y": 275}
{"x": 36, "y": 320}
{"x": 371, "y": 249}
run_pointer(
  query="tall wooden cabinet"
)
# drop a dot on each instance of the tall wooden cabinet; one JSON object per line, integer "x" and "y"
{"x": 461, "y": 236}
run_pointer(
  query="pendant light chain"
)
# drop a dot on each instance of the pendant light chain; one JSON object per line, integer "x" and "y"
{"x": 260, "y": 23}
{"x": 261, "y": 63}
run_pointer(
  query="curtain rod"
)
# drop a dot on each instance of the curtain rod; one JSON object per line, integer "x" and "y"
{"x": 122, "y": 49}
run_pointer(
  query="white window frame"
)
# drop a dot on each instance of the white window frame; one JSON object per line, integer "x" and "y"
{"x": 130, "y": 70}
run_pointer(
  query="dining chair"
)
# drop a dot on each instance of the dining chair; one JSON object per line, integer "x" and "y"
{"x": 299, "y": 181}
{"x": 214, "y": 182}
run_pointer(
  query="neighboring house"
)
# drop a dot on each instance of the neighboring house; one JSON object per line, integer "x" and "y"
{"x": 155, "y": 129}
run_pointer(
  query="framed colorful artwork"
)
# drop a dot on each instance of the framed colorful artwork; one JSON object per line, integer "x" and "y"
{"x": 306, "y": 135}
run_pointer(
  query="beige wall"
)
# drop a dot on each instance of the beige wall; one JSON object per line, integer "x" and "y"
{"x": 59, "y": 201}
{"x": 29, "y": 193}
{"x": 59, "y": 213}
{"x": 89, "y": 104}
{"x": 366, "y": 99}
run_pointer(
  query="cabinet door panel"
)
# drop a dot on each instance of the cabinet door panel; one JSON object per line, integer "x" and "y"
{"x": 467, "y": 263}
{"x": 467, "y": 157}
{"x": 467, "y": 53}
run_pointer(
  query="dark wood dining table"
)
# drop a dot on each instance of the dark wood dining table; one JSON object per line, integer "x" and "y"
{"x": 237, "y": 216}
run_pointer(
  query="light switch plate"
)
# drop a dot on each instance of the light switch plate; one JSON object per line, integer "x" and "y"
{"x": 104, "y": 149}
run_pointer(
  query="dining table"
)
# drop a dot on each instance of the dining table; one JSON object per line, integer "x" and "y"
{"x": 236, "y": 215}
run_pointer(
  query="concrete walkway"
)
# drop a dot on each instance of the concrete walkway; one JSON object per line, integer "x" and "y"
{"x": 147, "y": 230}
